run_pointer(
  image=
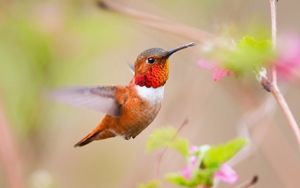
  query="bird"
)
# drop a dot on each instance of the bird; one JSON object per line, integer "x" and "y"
{"x": 128, "y": 109}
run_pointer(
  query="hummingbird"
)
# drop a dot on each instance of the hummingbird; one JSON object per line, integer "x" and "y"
{"x": 128, "y": 109}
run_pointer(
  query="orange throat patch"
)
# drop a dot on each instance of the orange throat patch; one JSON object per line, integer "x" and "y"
{"x": 155, "y": 77}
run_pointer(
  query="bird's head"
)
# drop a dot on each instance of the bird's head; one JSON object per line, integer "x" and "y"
{"x": 152, "y": 66}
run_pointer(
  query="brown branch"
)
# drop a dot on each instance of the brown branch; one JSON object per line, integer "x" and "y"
{"x": 161, "y": 155}
{"x": 248, "y": 183}
{"x": 257, "y": 126}
{"x": 273, "y": 80}
{"x": 162, "y": 24}
{"x": 287, "y": 112}
{"x": 112, "y": 6}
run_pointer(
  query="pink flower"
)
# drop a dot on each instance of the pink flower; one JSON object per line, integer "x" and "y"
{"x": 226, "y": 174}
{"x": 186, "y": 172}
{"x": 217, "y": 72}
{"x": 193, "y": 161}
{"x": 194, "y": 149}
{"x": 191, "y": 166}
{"x": 288, "y": 62}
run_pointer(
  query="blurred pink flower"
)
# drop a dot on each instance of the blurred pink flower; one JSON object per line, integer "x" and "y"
{"x": 194, "y": 149}
{"x": 226, "y": 174}
{"x": 191, "y": 166}
{"x": 288, "y": 62}
{"x": 217, "y": 72}
{"x": 193, "y": 161}
{"x": 186, "y": 172}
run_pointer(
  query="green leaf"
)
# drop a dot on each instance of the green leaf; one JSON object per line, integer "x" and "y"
{"x": 160, "y": 138}
{"x": 205, "y": 176}
{"x": 178, "y": 179}
{"x": 151, "y": 184}
{"x": 200, "y": 177}
{"x": 167, "y": 137}
{"x": 249, "y": 55}
{"x": 181, "y": 145}
{"x": 217, "y": 155}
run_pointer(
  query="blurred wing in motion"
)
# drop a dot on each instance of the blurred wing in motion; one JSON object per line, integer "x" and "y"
{"x": 101, "y": 99}
{"x": 131, "y": 68}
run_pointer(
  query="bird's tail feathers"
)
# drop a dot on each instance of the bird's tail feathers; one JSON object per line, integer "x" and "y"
{"x": 96, "y": 134}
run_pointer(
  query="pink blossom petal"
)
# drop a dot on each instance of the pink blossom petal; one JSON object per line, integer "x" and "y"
{"x": 217, "y": 72}
{"x": 193, "y": 149}
{"x": 186, "y": 173}
{"x": 226, "y": 174}
{"x": 193, "y": 161}
{"x": 288, "y": 62}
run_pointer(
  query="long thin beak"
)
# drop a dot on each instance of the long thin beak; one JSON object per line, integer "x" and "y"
{"x": 170, "y": 52}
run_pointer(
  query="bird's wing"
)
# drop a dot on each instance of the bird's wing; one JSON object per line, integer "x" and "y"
{"x": 131, "y": 68}
{"x": 101, "y": 98}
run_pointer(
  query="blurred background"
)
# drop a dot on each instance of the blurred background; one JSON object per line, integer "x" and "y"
{"x": 57, "y": 43}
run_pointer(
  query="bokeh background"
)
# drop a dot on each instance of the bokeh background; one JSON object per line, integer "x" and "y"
{"x": 56, "y": 43}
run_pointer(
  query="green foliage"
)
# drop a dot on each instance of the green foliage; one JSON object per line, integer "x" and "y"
{"x": 25, "y": 55}
{"x": 178, "y": 179}
{"x": 34, "y": 58}
{"x": 217, "y": 155}
{"x": 167, "y": 137}
{"x": 248, "y": 56}
{"x": 151, "y": 184}
{"x": 199, "y": 177}
{"x": 210, "y": 160}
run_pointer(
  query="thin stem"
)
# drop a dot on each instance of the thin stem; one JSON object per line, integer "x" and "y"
{"x": 274, "y": 35}
{"x": 274, "y": 86}
{"x": 160, "y": 157}
{"x": 273, "y": 22}
{"x": 162, "y": 24}
{"x": 287, "y": 112}
{"x": 248, "y": 183}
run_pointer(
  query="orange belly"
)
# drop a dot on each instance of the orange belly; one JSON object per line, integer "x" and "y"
{"x": 137, "y": 111}
{"x": 136, "y": 115}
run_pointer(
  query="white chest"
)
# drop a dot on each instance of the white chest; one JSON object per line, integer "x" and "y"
{"x": 152, "y": 95}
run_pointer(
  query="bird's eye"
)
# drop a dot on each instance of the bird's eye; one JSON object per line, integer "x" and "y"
{"x": 150, "y": 60}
